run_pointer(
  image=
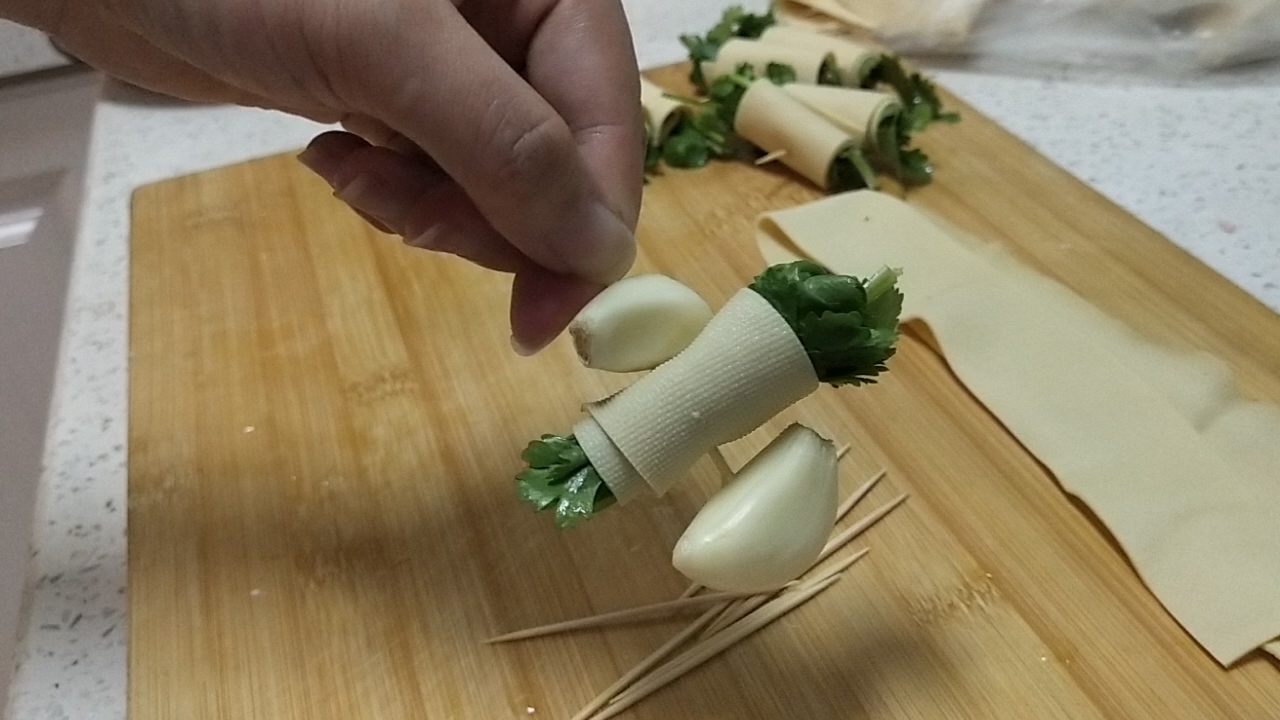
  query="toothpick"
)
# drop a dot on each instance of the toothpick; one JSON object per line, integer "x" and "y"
{"x": 699, "y": 654}
{"x": 858, "y": 494}
{"x": 722, "y": 466}
{"x": 739, "y": 609}
{"x": 649, "y": 662}
{"x": 730, "y": 616}
{"x": 842, "y": 452}
{"x": 858, "y": 528}
{"x": 618, "y": 616}
{"x": 776, "y": 154}
{"x": 730, "y": 610}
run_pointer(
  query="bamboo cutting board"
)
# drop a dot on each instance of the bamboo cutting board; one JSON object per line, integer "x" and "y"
{"x": 325, "y": 425}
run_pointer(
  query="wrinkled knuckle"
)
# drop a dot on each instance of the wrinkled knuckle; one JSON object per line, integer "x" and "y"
{"x": 534, "y": 157}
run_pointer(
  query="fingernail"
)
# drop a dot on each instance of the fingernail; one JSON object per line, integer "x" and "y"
{"x": 608, "y": 250}
{"x": 318, "y": 160}
{"x": 375, "y": 222}
{"x": 524, "y": 350}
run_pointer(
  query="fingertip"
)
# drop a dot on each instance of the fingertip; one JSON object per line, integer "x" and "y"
{"x": 542, "y": 306}
{"x": 327, "y": 152}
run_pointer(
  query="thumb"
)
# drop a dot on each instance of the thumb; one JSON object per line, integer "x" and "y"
{"x": 503, "y": 143}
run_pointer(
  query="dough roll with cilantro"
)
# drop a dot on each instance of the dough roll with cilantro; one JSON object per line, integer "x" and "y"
{"x": 855, "y": 61}
{"x": 810, "y": 64}
{"x": 661, "y": 113}
{"x": 773, "y": 120}
{"x": 794, "y": 327}
{"x": 858, "y": 112}
{"x": 877, "y": 122}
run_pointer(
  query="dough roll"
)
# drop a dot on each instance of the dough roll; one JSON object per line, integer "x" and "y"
{"x": 857, "y": 112}
{"x": 855, "y": 60}
{"x": 745, "y": 367}
{"x": 772, "y": 120}
{"x": 661, "y": 112}
{"x": 806, "y": 61}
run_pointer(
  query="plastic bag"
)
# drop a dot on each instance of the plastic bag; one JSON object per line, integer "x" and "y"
{"x": 1184, "y": 38}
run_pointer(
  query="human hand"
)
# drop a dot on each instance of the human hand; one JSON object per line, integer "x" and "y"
{"x": 507, "y": 132}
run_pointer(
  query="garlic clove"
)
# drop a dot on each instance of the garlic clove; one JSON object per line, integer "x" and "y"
{"x": 638, "y": 323}
{"x": 767, "y": 526}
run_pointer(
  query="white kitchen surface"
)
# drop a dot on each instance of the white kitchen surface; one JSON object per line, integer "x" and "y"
{"x": 24, "y": 50}
{"x": 1201, "y": 165}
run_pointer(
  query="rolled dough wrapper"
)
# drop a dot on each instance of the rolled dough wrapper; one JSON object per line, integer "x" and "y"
{"x": 857, "y": 112}
{"x": 1159, "y": 444}
{"x": 772, "y": 120}
{"x": 806, "y": 61}
{"x": 661, "y": 112}
{"x": 618, "y": 474}
{"x": 854, "y": 59}
{"x": 744, "y": 368}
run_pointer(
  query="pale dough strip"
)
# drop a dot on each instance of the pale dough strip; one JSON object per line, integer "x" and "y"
{"x": 1157, "y": 443}
{"x": 618, "y": 474}
{"x": 746, "y": 366}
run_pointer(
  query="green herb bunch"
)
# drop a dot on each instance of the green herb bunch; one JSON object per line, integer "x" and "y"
{"x": 849, "y": 327}
{"x": 734, "y": 22}
{"x": 706, "y": 133}
{"x": 920, "y": 101}
{"x": 561, "y": 478}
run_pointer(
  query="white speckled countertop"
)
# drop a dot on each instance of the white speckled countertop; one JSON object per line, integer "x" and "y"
{"x": 1202, "y": 166}
{"x": 24, "y": 50}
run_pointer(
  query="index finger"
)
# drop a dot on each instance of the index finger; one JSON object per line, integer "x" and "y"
{"x": 581, "y": 60}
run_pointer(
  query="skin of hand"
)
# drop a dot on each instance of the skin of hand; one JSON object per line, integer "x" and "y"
{"x": 507, "y": 132}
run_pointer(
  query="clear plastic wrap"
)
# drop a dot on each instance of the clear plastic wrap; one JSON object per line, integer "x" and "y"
{"x": 1168, "y": 38}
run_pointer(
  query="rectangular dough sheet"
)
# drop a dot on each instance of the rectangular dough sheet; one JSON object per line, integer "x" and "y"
{"x": 1183, "y": 471}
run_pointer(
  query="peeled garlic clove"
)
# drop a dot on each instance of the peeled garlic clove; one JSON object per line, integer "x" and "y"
{"x": 638, "y": 323}
{"x": 768, "y": 526}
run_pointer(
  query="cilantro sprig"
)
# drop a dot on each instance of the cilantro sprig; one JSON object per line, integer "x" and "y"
{"x": 892, "y": 149}
{"x": 849, "y": 327}
{"x": 734, "y": 22}
{"x": 706, "y": 132}
{"x": 560, "y": 477}
{"x": 921, "y": 104}
{"x": 850, "y": 170}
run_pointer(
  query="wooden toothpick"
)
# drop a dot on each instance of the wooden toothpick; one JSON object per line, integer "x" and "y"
{"x": 770, "y": 157}
{"x": 649, "y": 662}
{"x": 619, "y": 616}
{"x": 704, "y": 651}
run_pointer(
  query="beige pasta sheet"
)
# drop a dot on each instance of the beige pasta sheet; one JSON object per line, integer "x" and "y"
{"x": 1182, "y": 470}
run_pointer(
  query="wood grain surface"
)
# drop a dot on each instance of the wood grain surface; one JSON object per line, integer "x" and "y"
{"x": 325, "y": 425}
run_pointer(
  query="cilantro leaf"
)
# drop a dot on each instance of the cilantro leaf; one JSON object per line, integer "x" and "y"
{"x": 734, "y": 22}
{"x": 909, "y": 165}
{"x": 920, "y": 100}
{"x": 725, "y": 93}
{"x": 850, "y": 170}
{"x": 559, "y": 476}
{"x": 849, "y": 327}
{"x": 687, "y": 148}
{"x": 829, "y": 74}
{"x": 753, "y": 26}
{"x": 780, "y": 73}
